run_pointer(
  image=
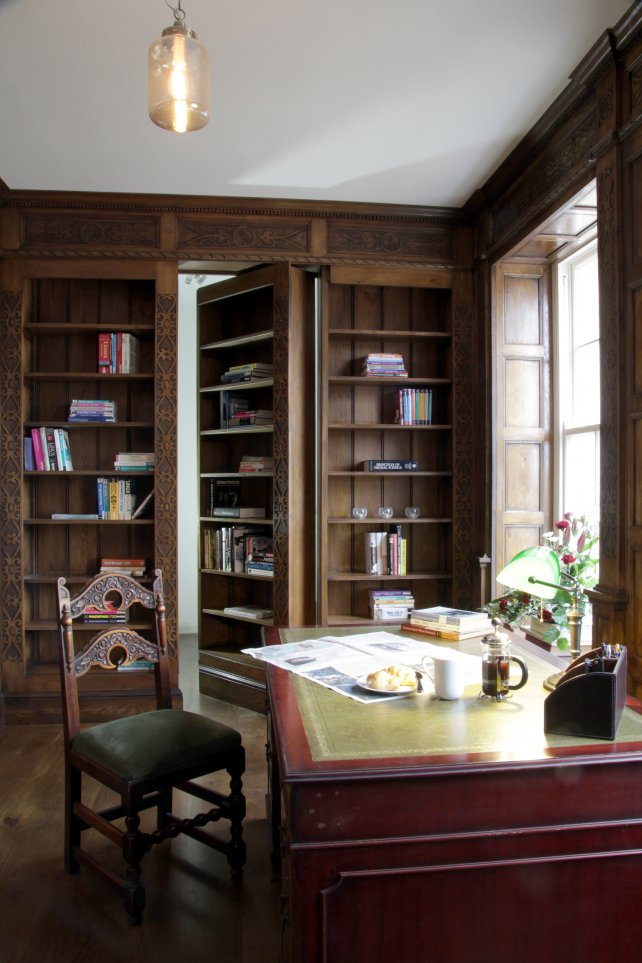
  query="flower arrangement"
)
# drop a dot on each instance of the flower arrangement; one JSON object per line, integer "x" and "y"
{"x": 575, "y": 542}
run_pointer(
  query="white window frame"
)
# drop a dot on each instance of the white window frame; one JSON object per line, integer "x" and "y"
{"x": 564, "y": 373}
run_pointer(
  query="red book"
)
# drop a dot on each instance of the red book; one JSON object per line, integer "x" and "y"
{"x": 104, "y": 353}
{"x": 37, "y": 449}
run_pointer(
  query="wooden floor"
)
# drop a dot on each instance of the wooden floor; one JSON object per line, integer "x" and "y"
{"x": 194, "y": 911}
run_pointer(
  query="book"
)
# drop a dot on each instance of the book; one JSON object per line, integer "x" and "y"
{"x": 450, "y": 616}
{"x": 223, "y": 493}
{"x": 143, "y": 505}
{"x": 65, "y": 449}
{"x": 37, "y": 449}
{"x": 248, "y": 612}
{"x": 27, "y": 454}
{"x": 51, "y": 449}
{"x": 237, "y": 511}
{"x": 71, "y": 515}
{"x": 446, "y": 634}
{"x": 389, "y": 465}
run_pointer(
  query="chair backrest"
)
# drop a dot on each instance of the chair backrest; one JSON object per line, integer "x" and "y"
{"x": 116, "y": 645}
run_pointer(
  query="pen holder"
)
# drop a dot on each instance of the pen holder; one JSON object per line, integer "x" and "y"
{"x": 586, "y": 703}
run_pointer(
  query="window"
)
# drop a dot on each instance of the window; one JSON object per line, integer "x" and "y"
{"x": 577, "y": 386}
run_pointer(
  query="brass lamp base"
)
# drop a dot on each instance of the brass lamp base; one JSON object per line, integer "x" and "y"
{"x": 551, "y": 682}
{"x": 575, "y": 632}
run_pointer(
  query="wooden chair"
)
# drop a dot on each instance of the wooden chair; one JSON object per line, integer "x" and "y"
{"x": 144, "y": 757}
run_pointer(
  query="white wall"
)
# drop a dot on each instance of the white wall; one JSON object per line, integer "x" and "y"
{"x": 187, "y": 460}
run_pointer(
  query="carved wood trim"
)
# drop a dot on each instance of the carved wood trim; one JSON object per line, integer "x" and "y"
{"x": 11, "y": 619}
{"x": 106, "y": 231}
{"x": 399, "y": 241}
{"x": 165, "y": 497}
{"x": 244, "y": 235}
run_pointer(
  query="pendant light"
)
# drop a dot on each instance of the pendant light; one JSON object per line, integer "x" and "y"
{"x": 178, "y": 83}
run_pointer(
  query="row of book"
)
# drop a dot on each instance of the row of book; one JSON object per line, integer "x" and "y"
{"x": 414, "y": 406}
{"x": 390, "y": 605}
{"x": 123, "y": 565}
{"x": 385, "y": 552}
{"x": 383, "y": 365}
{"x": 253, "y": 371}
{"x": 47, "y": 449}
{"x": 450, "y": 624}
{"x": 238, "y": 548}
{"x": 92, "y": 409}
{"x": 118, "y": 352}
{"x": 390, "y": 465}
{"x": 134, "y": 461}
{"x": 117, "y": 500}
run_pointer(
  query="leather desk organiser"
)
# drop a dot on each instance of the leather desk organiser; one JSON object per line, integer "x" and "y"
{"x": 585, "y": 703}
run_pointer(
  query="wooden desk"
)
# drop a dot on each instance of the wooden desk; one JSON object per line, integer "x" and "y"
{"x": 527, "y": 848}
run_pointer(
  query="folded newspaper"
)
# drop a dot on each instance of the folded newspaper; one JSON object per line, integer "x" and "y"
{"x": 342, "y": 663}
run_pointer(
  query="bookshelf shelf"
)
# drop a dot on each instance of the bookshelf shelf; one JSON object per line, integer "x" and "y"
{"x": 58, "y": 363}
{"x": 266, "y": 308}
{"x": 362, "y": 317}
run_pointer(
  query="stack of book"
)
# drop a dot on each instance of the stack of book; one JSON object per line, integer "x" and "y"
{"x": 109, "y": 613}
{"x": 123, "y": 566}
{"x": 256, "y": 463}
{"x": 385, "y": 553}
{"x": 47, "y": 449}
{"x": 392, "y": 605}
{"x": 117, "y": 353}
{"x": 251, "y": 418}
{"x": 92, "y": 409}
{"x": 414, "y": 406}
{"x": 451, "y": 624}
{"x": 234, "y": 406}
{"x": 134, "y": 461}
{"x": 254, "y": 371}
{"x": 384, "y": 365}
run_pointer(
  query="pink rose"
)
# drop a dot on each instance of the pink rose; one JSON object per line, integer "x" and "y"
{"x": 568, "y": 559}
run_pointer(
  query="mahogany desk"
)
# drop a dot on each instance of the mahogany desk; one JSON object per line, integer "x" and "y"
{"x": 422, "y": 830}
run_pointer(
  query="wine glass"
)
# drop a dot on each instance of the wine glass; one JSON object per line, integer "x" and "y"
{"x": 359, "y": 511}
{"x": 385, "y": 511}
{"x": 412, "y": 511}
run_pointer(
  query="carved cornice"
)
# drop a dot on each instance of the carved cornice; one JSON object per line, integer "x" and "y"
{"x": 229, "y": 206}
{"x": 235, "y": 236}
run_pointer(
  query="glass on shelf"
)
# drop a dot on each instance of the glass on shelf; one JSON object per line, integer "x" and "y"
{"x": 359, "y": 511}
{"x": 385, "y": 511}
{"x": 412, "y": 511}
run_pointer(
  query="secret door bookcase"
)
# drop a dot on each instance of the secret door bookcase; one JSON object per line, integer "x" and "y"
{"x": 411, "y": 317}
{"x": 264, "y": 316}
{"x": 51, "y": 324}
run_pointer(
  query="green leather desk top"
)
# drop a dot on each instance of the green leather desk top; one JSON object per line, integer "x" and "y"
{"x": 338, "y": 728}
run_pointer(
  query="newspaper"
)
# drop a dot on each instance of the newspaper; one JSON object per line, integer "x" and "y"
{"x": 343, "y": 663}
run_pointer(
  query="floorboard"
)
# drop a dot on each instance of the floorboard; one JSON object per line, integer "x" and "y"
{"x": 194, "y": 910}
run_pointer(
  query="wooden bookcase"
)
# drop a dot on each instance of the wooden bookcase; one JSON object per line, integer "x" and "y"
{"x": 57, "y": 318}
{"x": 263, "y": 315}
{"x": 410, "y": 314}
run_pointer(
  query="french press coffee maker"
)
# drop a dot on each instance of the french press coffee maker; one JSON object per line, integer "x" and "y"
{"x": 497, "y": 662}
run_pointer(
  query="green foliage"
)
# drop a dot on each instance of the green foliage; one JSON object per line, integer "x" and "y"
{"x": 575, "y": 541}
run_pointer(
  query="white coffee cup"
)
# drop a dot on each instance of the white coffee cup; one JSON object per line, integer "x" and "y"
{"x": 448, "y": 676}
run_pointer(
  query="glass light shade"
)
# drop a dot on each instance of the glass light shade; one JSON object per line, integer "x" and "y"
{"x": 528, "y": 567}
{"x": 178, "y": 81}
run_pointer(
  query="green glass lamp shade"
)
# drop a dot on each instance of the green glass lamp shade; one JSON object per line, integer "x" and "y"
{"x": 529, "y": 568}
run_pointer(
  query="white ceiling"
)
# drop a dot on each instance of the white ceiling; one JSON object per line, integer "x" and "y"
{"x": 393, "y": 101}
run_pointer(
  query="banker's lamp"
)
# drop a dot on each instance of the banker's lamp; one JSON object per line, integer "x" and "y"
{"x": 178, "y": 78}
{"x": 537, "y": 571}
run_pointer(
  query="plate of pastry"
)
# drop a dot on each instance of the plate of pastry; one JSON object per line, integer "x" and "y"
{"x": 392, "y": 680}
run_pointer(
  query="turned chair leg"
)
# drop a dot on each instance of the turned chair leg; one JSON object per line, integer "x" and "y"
{"x": 236, "y": 854}
{"x": 163, "y": 809}
{"x": 73, "y": 783}
{"x": 133, "y": 891}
